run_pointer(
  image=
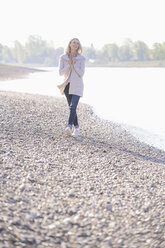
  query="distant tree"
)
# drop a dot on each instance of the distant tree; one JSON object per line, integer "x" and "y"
{"x": 52, "y": 58}
{"x": 19, "y": 52}
{"x": 89, "y": 52}
{"x": 126, "y": 52}
{"x": 158, "y": 51}
{"x": 163, "y": 50}
{"x": 36, "y": 50}
{"x": 92, "y": 52}
{"x": 101, "y": 56}
{"x": 7, "y": 55}
{"x": 85, "y": 52}
{"x": 141, "y": 51}
{"x": 59, "y": 51}
{"x": 111, "y": 51}
{"x": 1, "y": 48}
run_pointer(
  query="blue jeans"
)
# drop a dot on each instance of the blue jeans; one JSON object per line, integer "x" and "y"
{"x": 72, "y": 102}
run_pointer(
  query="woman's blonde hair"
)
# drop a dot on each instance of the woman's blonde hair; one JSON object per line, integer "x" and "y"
{"x": 68, "y": 49}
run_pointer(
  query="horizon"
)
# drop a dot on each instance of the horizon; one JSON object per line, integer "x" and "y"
{"x": 93, "y": 22}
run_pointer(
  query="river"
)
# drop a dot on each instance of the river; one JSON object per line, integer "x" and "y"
{"x": 132, "y": 97}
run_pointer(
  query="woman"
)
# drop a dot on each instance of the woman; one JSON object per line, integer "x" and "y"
{"x": 72, "y": 67}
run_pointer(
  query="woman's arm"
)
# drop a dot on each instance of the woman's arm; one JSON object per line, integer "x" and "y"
{"x": 64, "y": 67}
{"x": 80, "y": 69}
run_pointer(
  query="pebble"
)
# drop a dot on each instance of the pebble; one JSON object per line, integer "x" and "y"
{"x": 22, "y": 187}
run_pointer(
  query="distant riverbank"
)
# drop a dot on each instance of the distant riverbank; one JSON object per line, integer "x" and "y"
{"x": 12, "y": 71}
{"x": 129, "y": 64}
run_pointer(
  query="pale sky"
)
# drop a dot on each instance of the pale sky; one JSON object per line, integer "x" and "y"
{"x": 92, "y": 21}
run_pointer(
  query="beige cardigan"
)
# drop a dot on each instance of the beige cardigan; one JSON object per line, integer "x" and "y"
{"x": 72, "y": 72}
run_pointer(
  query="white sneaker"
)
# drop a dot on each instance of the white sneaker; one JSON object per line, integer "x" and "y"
{"x": 68, "y": 131}
{"x": 76, "y": 132}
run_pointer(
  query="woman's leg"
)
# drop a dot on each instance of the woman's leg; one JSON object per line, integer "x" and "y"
{"x": 66, "y": 92}
{"x": 73, "y": 115}
{"x": 68, "y": 97}
{"x": 72, "y": 106}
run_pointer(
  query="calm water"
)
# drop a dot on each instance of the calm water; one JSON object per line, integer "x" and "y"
{"x": 133, "y": 97}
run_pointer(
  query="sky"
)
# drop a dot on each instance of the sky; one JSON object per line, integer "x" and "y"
{"x": 96, "y": 22}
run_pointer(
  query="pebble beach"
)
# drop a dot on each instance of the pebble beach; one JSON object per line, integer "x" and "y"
{"x": 101, "y": 189}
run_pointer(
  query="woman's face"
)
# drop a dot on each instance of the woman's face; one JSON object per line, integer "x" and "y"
{"x": 74, "y": 45}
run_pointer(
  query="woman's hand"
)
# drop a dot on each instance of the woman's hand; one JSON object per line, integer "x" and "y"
{"x": 72, "y": 61}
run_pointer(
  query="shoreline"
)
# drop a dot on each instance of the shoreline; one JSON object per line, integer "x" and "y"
{"x": 130, "y": 64}
{"x": 9, "y": 72}
{"x": 101, "y": 189}
{"x": 14, "y": 71}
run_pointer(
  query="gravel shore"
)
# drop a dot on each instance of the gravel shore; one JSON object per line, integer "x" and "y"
{"x": 101, "y": 189}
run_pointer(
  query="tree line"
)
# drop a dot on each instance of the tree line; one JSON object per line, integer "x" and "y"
{"x": 38, "y": 51}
